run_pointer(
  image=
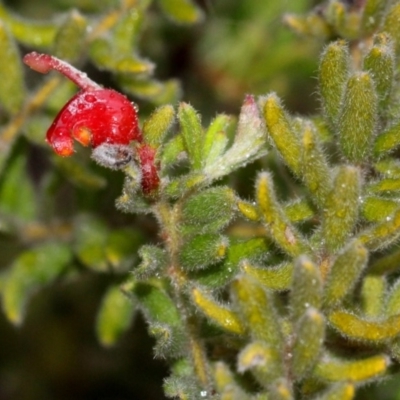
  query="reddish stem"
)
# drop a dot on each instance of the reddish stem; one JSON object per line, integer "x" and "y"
{"x": 149, "y": 169}
{"x": 44, "y": 63}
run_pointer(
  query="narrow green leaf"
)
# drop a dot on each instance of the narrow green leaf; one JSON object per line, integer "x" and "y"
{"x": 281, "y": 132}
{"x": 315, "y": 170}
{"x": 192, "y": 134}
{"x": 358, "y": 117}
{"x": 259, "y": 358}
{"x": 335, "y": 370}
{"x": 342, "y": 391}
{"x": 387, "y": 140}
{"x": 114, "y": 316}
{"x": 158, "y": 124}
{"x": 376, "y": 209}
{"x": 306, "y": 288}
{"x": 380, "y": 62}
{"x": 218, "y": 313}
{"x": 278, "y": 277}
{"x": 17, "y": 194}
{"x": 70, "y": 38}
{"x": 173, "y": 152}
{"x": 208, "y": 211}
{"x": 367, "y": 330}
{"x": 12, "y": 87}
{"x": 154, "y": 260}
{"x": 390, "y": 24}
{"x": 184, "y": 11}
{"x": 307, "y": 346}
{"x": 100, "y": 50}
{"x": 202, "y": 251}
{"x": 248, "y": 145}
{"x": 341, "y": 207}
{"x": 373, "y": 293}
{"x": 392, "y": 306}
{"x": 252, "y": 250}
{"x": 278, "y": 226}
{"x": 156, "y": 304}
{"x": 333, "y": 75}
{"x": 31, "y": 270}
{"x": 344, "y": 273}
{"x": 382, "y": 234}
{"x": 215, "y": 138}
{"x": 257, "y": 312}
{"x": 372, "y": 15}
{"x": 30, "y": 33}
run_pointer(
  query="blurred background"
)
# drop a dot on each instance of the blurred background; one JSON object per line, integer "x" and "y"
{"x": 240, "y": 47}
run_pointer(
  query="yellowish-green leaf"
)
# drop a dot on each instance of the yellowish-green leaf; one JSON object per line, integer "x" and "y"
{"x": 114, "y": 316}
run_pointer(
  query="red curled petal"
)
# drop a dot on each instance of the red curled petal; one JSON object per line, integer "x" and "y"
{"x": 95, "y": 117}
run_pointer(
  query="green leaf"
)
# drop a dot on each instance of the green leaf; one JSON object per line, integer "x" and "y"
{"x": 282, "y": 133}
{"x": 17, "y": 194}
{"x": 215, "y": 138}
{"x": 252, "y": 250}
{"x": 390, "y": 24}
{"x": 259, "y": 358}
{"x": 114, "y": 316}
{"x": 315, "y": 170}
{"x": 388, "y": 140}
{"x": 367, "y": 330}
{"x": 333, "y": 74}
{"x": 192, "y": 134}
{"x": 258, "y": 313}
{"x": 12, "y": 87}
{"x": 154, "y": 260}
{"x": 380, "y": 62}
{"x": 306, "y": 288}
{"x": 277, "y": 277}
{"x": 32, "y": 270}
{"x": 344, "y": 272}
{"x": 100, "y": 50}
{"x": 309, "y": 336}
{"x": 249, "y": 142}
{"x": 341, "y": 207}
{"x": 281, "y": 231}
{"x": 376, "y": 209}
{"x": 202, "y": 251}
{"x": 216, "y": 312}
{"x": 184, "y": 11}
{"x": 372, "y": 15}
{"x": 208, "y": 211}
{"x": 158, "y": 124}
{"x": 336, "y": 370}
{"x": 70, "y": 38}
{"x": 342, "y": 391}
{"x": 30, "y": 33}
{"x": 358, "y": 117}
{"x": 373, "y": 293}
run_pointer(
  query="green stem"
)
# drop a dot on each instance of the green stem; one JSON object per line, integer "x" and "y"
{"x": 169, "y": 221}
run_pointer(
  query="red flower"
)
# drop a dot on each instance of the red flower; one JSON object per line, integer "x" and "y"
{"x": 94, "y": 117}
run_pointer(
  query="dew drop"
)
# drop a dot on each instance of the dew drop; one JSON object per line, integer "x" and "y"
{"x": 90, "y": 98}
